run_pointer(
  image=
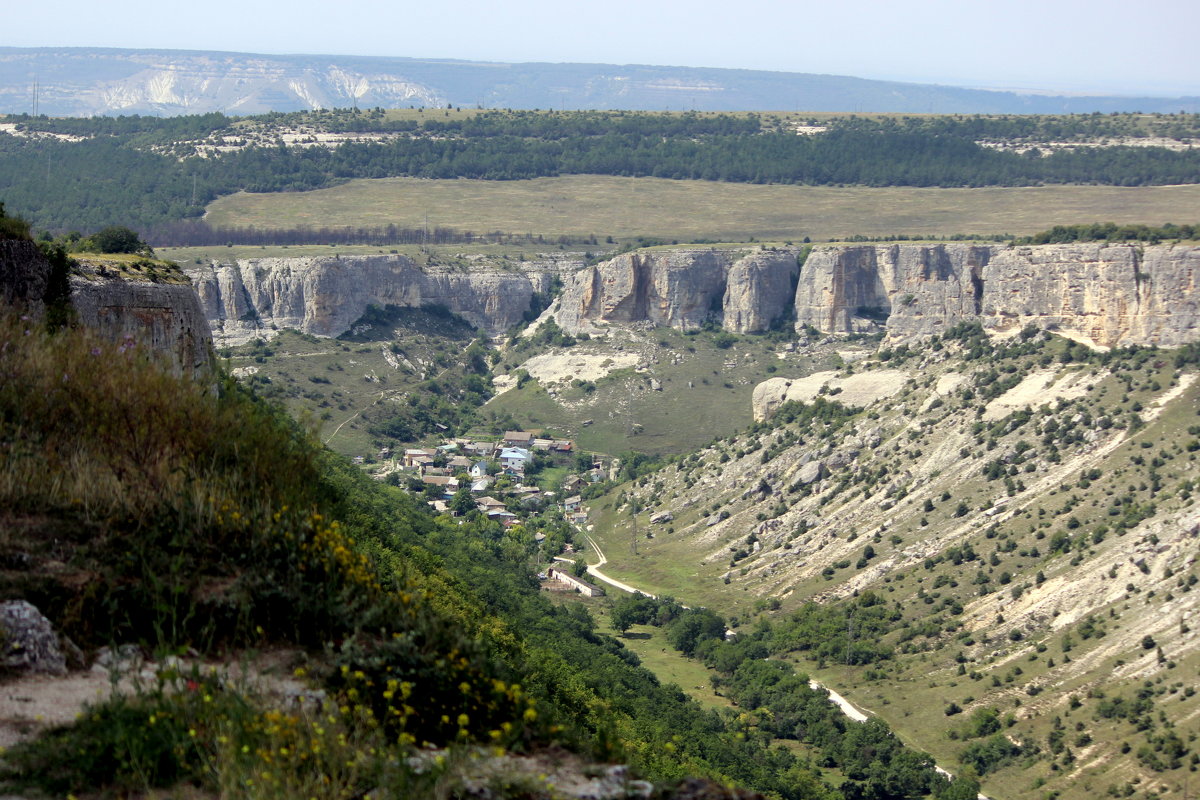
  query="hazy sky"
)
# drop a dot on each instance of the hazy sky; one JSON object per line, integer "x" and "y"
{"x": 1118, "y": 46}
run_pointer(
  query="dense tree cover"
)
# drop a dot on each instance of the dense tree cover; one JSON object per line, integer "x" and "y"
{"x": 196, "y": 233}
{"x": 1031, "y": 127}
{"x": 124, "y": 170}
{"x": 1110, "y": 231}
{"x": 781, "y": 703}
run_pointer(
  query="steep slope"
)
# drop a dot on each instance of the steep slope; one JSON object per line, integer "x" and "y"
{"x": 1026, "y": 510}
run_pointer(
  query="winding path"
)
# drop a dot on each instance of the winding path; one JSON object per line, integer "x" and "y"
{"x": 842, "y": 703}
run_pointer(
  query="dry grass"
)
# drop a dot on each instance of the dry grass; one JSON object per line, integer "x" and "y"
{"x": 582, "y": 205}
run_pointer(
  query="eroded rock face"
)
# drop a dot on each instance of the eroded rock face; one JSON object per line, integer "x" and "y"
{"x": 24, "y": 273}
{"x": 325, "y": 296}
{"x": 165, "y": 317}
{"x": 1107, "y": 295}
{"x": 681, "y": 288}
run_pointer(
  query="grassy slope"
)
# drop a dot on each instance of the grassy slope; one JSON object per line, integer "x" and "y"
{"x": 912, "y": 692}
{"x": 341, "y": 385}
{"x": 675, "y": 420}
{"x": 582, "y": 205}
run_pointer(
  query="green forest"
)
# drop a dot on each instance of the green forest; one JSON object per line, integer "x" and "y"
{"x": 145, "y": 171}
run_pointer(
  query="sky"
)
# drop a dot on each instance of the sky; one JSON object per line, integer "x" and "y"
{"x": 1064, "y": 46}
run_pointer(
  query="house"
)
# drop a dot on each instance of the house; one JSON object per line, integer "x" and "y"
{"x": 481, "y": 484}
{"x": 518, "y": 439}
{"x": 447, "y": 482}
{"x": 489, "y": 503}
{"x": 572, "y": 484}
{"x": 578, "y": 584}
{"x": 572, "y": 504}
{"x": 514, "y": 458}
{"x": 414, "y": 457}
{"x": 478, "y": 470}
{"x": 562, "y": 446}
{"x": 501, "y": 516}
{"x": 459, "y": 463}
{"x": 542, "y": 445}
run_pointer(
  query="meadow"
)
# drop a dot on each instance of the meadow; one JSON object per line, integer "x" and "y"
{"x": 579, "y": 206}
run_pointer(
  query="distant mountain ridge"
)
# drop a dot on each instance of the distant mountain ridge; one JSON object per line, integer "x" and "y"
{"x": 102, "y": 81}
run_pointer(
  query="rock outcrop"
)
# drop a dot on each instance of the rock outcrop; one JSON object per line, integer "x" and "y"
{"x": 24, "y": 273}
{"x": 681, "y": 288}
{"x": 29, "y": 641}
{"x": 160, "y": 314}
{"x": 163, "y": 316}
{"x": 325, "y": 296}
{"x": 1102, "y": 294}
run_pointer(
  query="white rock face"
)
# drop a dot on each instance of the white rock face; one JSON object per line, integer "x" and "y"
{"x": 853, "y": 390}
{"x": 681, "y": 288}
{"x": 325, "y": 296}
{"x": 1104, "y": 295}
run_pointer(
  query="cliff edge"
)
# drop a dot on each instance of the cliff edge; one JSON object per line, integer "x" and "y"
{"x": 1102, "y": 294}
{"x": 158, "y": 309}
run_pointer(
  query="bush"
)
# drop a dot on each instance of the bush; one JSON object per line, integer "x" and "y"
{"x": 116, "y": 239}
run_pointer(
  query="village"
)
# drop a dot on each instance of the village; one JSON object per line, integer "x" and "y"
{"x": 521, "y": 480}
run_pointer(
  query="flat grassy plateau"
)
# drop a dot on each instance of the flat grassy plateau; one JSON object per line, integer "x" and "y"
{"x": 584, "y": 205}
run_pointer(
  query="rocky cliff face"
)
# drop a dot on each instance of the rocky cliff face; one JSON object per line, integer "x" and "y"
{"x": 325, "y": 296}
{"x": 1107, "y": 295}
{"x": 681, "y": 288}
{"x": 163, "y": 316}
{"x": 24, "y": 273}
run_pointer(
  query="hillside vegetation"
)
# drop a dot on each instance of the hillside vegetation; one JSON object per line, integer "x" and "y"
{"x": 989, "y": 544}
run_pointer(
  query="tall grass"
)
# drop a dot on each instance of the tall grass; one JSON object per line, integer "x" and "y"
{"x": 136, "y": 505}
{"x": 184, "y": 510}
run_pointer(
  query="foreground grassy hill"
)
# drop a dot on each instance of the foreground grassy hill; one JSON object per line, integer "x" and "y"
{"x": 990, "y": 545}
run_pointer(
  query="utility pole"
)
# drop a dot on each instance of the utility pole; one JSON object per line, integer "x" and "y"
{"x": 633, "y": 543}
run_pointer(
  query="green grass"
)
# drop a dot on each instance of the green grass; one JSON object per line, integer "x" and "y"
{"x": 582, "y": 205}
{"x": 668, "y": 664}
{"x": 705, "y": 392}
